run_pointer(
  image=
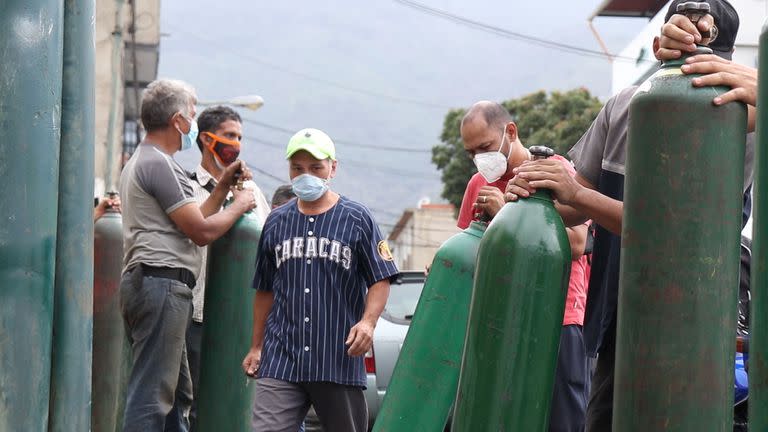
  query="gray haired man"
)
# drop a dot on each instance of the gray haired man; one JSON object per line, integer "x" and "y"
{"x": 162, "y": 227}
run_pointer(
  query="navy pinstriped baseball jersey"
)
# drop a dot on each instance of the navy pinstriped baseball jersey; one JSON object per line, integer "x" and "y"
{"x": 319, "y": 269}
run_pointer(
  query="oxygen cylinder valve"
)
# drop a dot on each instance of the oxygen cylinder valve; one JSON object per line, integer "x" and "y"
{"x": 484, "y": 217}
{"x": 541, "y": 152}
{"x": 695, "y": 11}
{"x": 239, "y": 180}
{"x": 112, "y": 195}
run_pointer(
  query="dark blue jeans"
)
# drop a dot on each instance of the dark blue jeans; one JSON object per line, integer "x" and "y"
{"x": 194, "y": 346}
{"x": 572, "y": 382}
{"x": 157, "y": 312}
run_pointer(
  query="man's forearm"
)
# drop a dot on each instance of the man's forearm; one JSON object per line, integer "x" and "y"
{"x": 577, "y": 237}
{"x": 218, "y": 224}
{"x": 215, "y": 200}
{"x": 375, "y": 301}
{"x": 571, "y": 217}
{"x": 262, "y": 305}
{"x": 606, "y": 212}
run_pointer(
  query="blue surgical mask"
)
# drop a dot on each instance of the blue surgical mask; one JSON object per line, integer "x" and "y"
{"x": 308, "y": 187}
{"x": 187, "y": 139}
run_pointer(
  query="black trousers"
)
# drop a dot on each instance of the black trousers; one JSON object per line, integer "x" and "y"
{"x": 600, "y": 406}
{"x": 572, "y": 379}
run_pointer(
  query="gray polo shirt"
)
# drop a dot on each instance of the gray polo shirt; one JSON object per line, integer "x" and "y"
{"x": 152, "y": 186}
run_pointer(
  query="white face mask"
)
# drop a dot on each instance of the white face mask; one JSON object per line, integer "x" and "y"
{"x": 492, "y": 165}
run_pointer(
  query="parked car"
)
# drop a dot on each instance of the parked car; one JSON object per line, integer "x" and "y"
{"x": 388, "y": 338}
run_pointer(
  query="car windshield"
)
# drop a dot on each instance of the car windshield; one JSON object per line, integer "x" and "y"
{"x": 403, "y": 299}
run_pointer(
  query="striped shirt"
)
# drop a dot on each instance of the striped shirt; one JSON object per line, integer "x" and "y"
{"x": 319, "y": 268}
{"x": 202, "y": 180}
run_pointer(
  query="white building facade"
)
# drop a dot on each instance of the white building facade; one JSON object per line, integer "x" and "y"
{"x": 636, "y": 61}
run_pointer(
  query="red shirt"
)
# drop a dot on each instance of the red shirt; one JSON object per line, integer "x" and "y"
{"x": 576, "y": 298}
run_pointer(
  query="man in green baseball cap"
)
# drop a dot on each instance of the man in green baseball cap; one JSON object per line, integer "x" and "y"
{"x": 313, "y": 141}
{"x": 322, "y": 279}
{"x": 313, "y": 164}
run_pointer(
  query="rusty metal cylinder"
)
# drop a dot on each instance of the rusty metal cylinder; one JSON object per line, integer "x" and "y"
{"x": 226, "y": 395}
{"x": 758, "y": 374}
{"x": 30, "y": 119}
{"x": 515, "y": 319}
{"x": 70, "y": 397}
{"x": 423, "y": 385}
{"x": 111, "y": 349}
{"x": 679, "y": 272}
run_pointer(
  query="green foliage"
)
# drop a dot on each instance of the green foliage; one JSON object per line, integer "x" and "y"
{"x": 556, "y": 120}
{"x": 452, "y": 160}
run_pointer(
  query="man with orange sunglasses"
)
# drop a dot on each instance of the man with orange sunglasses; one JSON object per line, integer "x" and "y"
{"x": 219, "y": 141}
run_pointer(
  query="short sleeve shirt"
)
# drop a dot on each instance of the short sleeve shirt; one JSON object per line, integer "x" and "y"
{"x": 319, "y": 268}
{"x": 467, "y": 211}
{"x": 152, "y": 186}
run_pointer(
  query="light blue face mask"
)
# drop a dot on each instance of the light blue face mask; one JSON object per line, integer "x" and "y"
{"x": 187, "y": 139}
{"x": 308, "y": 187}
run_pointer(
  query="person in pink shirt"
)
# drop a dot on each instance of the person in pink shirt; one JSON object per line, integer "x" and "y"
{"x": 491, "y": 140}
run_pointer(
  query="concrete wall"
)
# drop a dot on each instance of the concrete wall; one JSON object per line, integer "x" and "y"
{"x": 107, "y": 73}
{"x": 415, "y": 242}
{"x": 110, "y": 78}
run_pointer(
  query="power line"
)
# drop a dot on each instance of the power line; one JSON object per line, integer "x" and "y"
{"x": 358, "y": 165}
{"x": 253, "y": 167}
{"x": 340, "y": 141}
{"x": 477, "y": 25}
{"x": 269, "y": 144}
{"x": 418, "y": 245}
{"x": 388, "y": 212}
{"x": 243, "y": 55}
{"x": 352, "y": 164}
{"x": 268, "y": 174}
{"x": 435, "y": 230}
{"x": 416, "y": 237}
{"x": 355, "y": 164}
{"x": 282, "y": 181}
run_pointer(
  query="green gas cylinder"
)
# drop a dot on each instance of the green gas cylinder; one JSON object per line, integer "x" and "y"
{"x": 423, "y": 385}
{"x": 30, "y": 126}
{"x": 111, "y": 349}
{"x": 513, "y": 335}
{"x": 680, "y": 257}
{"x": 758, "y": 374}
{"x": 70, "y": 398}
{"x": 225, "y": 397}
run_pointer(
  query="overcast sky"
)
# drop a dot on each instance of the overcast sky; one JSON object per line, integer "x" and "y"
{"x": 375, "y": 75}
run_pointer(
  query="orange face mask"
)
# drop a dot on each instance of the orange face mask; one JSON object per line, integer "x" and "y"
{"x": 224, "y": 150}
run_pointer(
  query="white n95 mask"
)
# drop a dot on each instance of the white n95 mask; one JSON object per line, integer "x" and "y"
{"x": 492, "y": 165}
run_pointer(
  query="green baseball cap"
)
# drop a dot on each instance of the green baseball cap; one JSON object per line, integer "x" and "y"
{"x": 314, "y": 141}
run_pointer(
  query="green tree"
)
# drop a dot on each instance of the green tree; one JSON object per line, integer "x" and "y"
{"x": 556, "y": 120}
